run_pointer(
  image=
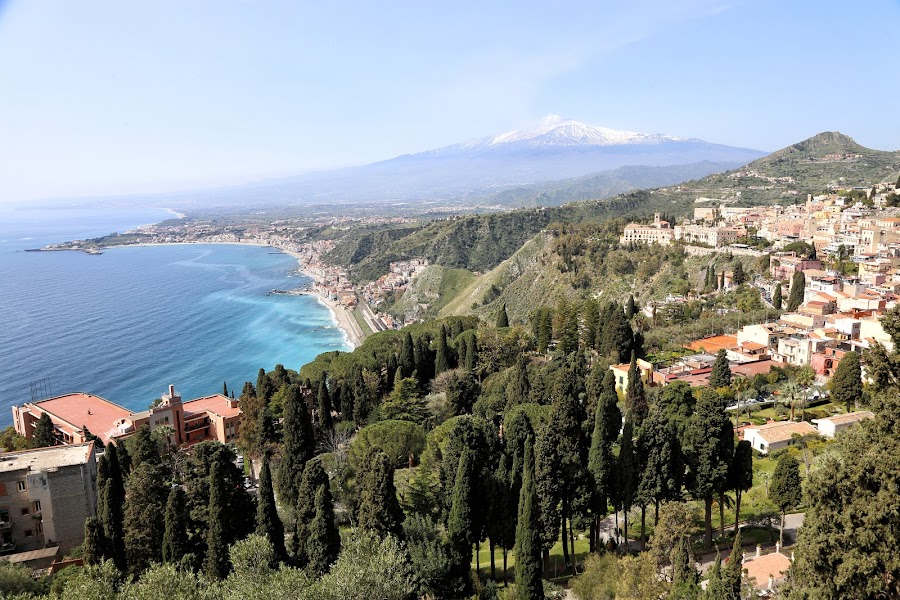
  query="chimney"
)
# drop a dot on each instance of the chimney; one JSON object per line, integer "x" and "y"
{"x": 777, "y": 546}
{"x": 171, "y": 391}
{"x": 758, "y": 550}
{"x": 771, "y": 582}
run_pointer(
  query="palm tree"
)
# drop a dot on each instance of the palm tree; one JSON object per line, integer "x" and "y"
{"x": 805, "y": 378}
{"x": 791, "y": 389}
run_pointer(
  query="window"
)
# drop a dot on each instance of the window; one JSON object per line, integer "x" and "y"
{"x": 28, "y": 533}
{"x": 36, "y": 506}
{"x": 39, "y": 527}
{"x": 24, "y": 511}
{"x": 20, "y": 485}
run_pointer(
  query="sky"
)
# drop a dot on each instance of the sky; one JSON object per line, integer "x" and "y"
{"x": 106, "y": 97}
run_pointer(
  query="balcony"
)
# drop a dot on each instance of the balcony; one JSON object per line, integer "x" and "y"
{"x": 4, "y": 525}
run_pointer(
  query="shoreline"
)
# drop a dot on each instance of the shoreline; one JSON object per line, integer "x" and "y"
{"x": 342, "y": 318}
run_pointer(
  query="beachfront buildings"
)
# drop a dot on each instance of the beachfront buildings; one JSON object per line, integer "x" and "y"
{"x": 78, "y": 416}
{"x": 45, "y": 496}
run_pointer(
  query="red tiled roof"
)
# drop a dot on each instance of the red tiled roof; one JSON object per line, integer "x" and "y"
{"x": 81, "y": 410}
{"x": 216, "y": 404}
{"x": 774, "y": 564}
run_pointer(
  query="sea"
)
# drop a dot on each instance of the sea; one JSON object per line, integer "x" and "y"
{"x": 127, "y": 323}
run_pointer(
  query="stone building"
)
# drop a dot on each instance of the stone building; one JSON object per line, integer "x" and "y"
{"x": 45, "y": 496}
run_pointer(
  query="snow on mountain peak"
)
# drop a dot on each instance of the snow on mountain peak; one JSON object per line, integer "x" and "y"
{"x": 554, "y": 130}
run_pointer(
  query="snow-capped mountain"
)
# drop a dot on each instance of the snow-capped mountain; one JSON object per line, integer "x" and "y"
{"x": 553, "y": 130}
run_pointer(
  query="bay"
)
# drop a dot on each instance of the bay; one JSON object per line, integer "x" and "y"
{"x": 127, "y": 323}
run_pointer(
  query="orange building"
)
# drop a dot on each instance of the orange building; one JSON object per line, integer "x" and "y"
{"x": 209, "y": 418}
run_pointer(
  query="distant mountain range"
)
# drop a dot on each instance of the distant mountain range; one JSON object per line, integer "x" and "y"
{"x": 557, "y": 149}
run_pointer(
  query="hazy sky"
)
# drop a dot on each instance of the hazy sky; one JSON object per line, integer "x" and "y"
{"x": 110, "y": 97}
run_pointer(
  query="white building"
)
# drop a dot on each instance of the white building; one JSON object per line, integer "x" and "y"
{"x": 832, "y": 426}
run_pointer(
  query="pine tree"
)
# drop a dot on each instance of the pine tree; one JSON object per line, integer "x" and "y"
{"x": 720, "y": 376}
{"x": 798, "y": 285}
{"x": 267, "y": 522}
{"x": 299, "y": 444}
{"x": 326, "y": 423}
{"x": 43, "y": 432}
{"x": 785, "y": 490}
{"x": 407, "y": 362}
{"x": 94, "y": 547}
{"x": 635, "y": 397}
{"x": 528, "y": 542}
{"x": 324, "y": 541}
{"x": 777, "y": 298}
{"x": 502, "y": 317}
{"x": 216, "y": 565}
{"x": 846, "y": 385}
{"x": 442, "y": 358}
{"x": 175, "y": 536}
{"x": 379, "y": 510}
{"x": 630, "y": 309}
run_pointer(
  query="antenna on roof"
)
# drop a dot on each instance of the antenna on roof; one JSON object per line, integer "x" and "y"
{"x": 40, "y": 390}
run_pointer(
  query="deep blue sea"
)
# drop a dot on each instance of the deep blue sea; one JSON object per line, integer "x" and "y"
{"x": 127, "y": 323}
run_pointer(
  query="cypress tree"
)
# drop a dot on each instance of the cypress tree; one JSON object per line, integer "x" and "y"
{"x": 732, "y": 572}
{"x": 711, "y": 442}
{"x": 94, "y": 547}
{"x": 662, "y": 467}
{"x": 635, "y": 397}
{"x": 737, "y": 276}
{"x": 722, "y": 281}
{"x": 442, "y": 358}
{"x": 846, "y": 385}
{"x": 379, "y": 510}
{"x": 314, "y": 477}
{"x": 627, "y": 471}
{"x": 216, "y": 565}
{"x": 225, "y": 388}
{"x": 591, "y": 315}
{"x": 175, "y": 536}
{"x": 144, "y": 521}
{"x": 471, "y": 352}
{"x": 264, "y": 387}
{"x": 617, "y": 337}
{"x": 798, "y": 284}
{"x": 785, "y": 490}
{"x": 777, "y": 298}
{"x": 324, "y": 541}
{"x": 683, "y": 571}
{"x": 518, "y": 389}
{"x": 248, "y": 439}
{"x": 265, "y": 428}
{"x": 460, "y": 524}
{"x": 124, "y": 460}
{"x": 43, "y": 432}
{"x": 326, "y": 423}
{"x": 144, "y": 448}
{"x": 630, "y": 308}
{"x": 111, "y": 508}
{"x": 502, "y": 317}
{"x": 407, "y": 362}
{"x": 601, "y": 462}
{"x": 721, "y": 371}
{"x": 715, "y": 587}
{"x": 528, "y": 542}
{"x": 299, "y": 444}
{"x": 424, "y": 360}
{"x": 267, "y": 522}
{"x": 740, "y": 475}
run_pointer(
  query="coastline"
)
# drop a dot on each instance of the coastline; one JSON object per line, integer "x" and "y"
{"x": 342, "y": 318}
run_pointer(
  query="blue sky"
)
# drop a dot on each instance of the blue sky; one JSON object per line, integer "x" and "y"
{"x": 115, "y": 97}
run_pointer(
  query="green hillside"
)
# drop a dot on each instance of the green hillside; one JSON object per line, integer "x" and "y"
{"x": 431, "y": 291}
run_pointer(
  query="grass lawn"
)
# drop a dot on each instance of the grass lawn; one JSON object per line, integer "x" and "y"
{"x": 558, "y": 572}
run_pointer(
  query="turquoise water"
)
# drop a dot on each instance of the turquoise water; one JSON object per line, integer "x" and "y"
{"x": 127, "y": 323}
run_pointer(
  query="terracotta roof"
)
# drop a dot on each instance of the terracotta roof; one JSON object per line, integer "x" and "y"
{"x": 775, "y": 564}
{"x": 85, "y": 410}
{"x": 783, "y": 431}
{"x": 216, "y": 404}
{"x": 753, "y": 346}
